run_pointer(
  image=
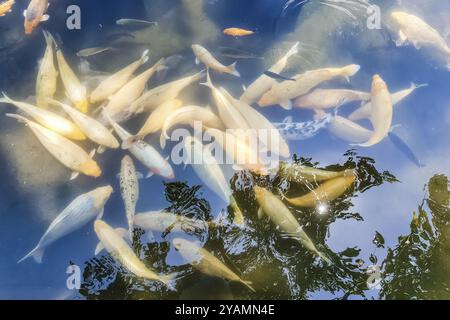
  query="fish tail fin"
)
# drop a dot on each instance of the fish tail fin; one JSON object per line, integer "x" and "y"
{"x": 198, "y": 75}
{"x": 248, "y": 284}
{"x": 238, "y": 216}
{"x": 162, "y": 140}
{"x": 144, "y": 57}
{"x": 293, "y": 51}
{"x": 5, "y": 98}
{"x": 169, "y": 279}
{"x": 49, "y": 40}
{"x": 324, "y": 257}
{"x": 17, "y": 117}
{"x": 350, "y": 71}
{"x": 36, "y": 254}
{"x": 232, "y": 69}
{"x": 208, "y": 82}
{"x": 415, "y": 86}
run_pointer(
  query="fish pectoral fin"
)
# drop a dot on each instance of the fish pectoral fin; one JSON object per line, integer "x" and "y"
{"x": 74, "y": 175}
{"x": 149, "y": 174}
{"x": 25, "y": 13}
{"x": 287, "y": 104}
{"x": 197, "y": 61}
{"x": 402, "y": 38}
{"x": 100, "y": 214}
{"x": 99, "y": 248}
{"x": 45, "y": 17}
{"x": 149, "y": 236}
{"x": 260, "y": 213}
{"x": 92, "y": 153}
{"x": 101, "y": 149}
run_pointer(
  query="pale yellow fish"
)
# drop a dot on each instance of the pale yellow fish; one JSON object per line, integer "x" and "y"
{"x": 93, "y": 129}
{"x": 266, "y": 131}
{"x": 302, "y": 174}
{"x": 75, "y": 91}
{"x": 348, "y": 130}
{"x": 65, "y": 151}
{"x": 204, "y": 56}
{"x": 112, "y": 241}
{"x": 365, "y": 111}
{"x": 166, "y": 92}
{"x": 264, "y": 83}
{"x": 47, "y": 78}
{"x": 381, "y": 114}
{"x": 231, "y": 118}
{"x": 155, "y": 121}
{"x": 283, "y": 218}
{"x": 282, "y": 93}
{"x": 206, "y": 262}
{"x": 326, "y": 192}
{"x": 189, "y": 115}
{"x": 115, "y": 82}
{"x": 48, "y": 119}
{"x": 329, "y": 98}
{"x": 119, "y": 106}
{"x": 239, "y": 152}
{"x": 416, "y": 31}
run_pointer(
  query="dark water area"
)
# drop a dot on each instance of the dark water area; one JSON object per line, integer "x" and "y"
{"x": 393, "y": 222}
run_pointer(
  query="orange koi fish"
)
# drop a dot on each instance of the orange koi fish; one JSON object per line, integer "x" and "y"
{"x": 35, "y": 14}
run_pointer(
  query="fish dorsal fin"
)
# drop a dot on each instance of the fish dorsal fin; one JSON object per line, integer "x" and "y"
{"x": 100, "y": 214}
{"x": 74, "y": 175}
{"x": 45, "y": 17}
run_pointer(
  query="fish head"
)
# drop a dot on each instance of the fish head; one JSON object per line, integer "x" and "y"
{"x": 259, "y": 192}
{"x": 378, "y": 84}
{"x": 102, "y": 195}
{"x": 29, "y": 26}
{"x": 91, "y": 169}
{"x": 196, "y": 48}
{"x": 399, "y": 17}
{"x": 100, "y": 226}
{"x": 167, "y": 171}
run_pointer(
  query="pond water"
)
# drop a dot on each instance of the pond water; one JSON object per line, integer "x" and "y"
{"x": 387, "y": 235}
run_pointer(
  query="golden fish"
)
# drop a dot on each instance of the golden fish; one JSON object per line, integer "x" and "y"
{"x": 325, "y": 193}
{"x": 47, "y": 79}
{"x": 6, "y": 6}
{"x": 238, "y": 32}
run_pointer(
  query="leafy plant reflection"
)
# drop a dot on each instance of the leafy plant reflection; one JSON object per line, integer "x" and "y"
{"x": 279, "y": 267}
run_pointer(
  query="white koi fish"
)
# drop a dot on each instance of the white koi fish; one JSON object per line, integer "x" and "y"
{"x": 76, "y": 215}
{"x": 282, "y": 93}
{"x": 112, "y": 241}
{"x": 48, "y": 119}
{"x": 47, "y": 78}
{"x": 381, "y": 114}
{"x": 108, "y": 87}
{"x": 166, "y": 92}
{"x": 129, "y": 189}
{"x": 155, "y": 121}
{"x": 329, "y": 98}
{"x": 231, "y": 118}
{"x": 119, "y": 104}
{"x": 189, "y": 115}
{"x": 163, "y": 221}
{"x": 280, "y": 215}
{"x": 93, "y": 129}
{"x": 205, "y": 262}
{"x": 414, "y": 30}
{"x": 208, "y": 170}
{"x": 75, "y": 91}
{"x": 267, "y": 132}
{"x": 204, "y": 56}
{"x": 144, "y": 152}
{"x": 62, "y": 149}
{"x": 365, "y": 111}
{"x": 264, "y": 83}
{"x": 348, "y": 130}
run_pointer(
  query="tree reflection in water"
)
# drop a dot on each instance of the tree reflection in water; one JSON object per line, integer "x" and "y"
{"x": 279, "y": 267}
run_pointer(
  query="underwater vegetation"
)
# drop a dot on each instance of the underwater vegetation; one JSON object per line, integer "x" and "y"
{"x": 277, "y": 265}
